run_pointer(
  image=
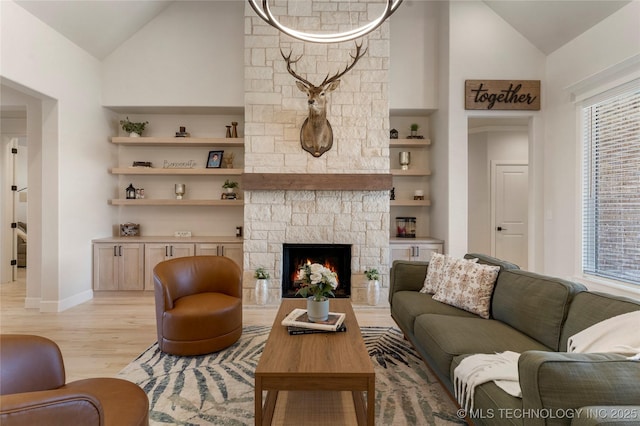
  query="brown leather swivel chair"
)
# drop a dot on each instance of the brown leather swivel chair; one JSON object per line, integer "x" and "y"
{"x": 33, "y": 390}
{"x": 198, "y": 304}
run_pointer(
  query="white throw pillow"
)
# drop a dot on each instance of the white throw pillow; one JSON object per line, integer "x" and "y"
{"x": 468, "y": 286}
{"x": 439, "y": 265}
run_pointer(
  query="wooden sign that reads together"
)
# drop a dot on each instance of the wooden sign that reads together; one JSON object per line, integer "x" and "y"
{"x": 502, "y": 94}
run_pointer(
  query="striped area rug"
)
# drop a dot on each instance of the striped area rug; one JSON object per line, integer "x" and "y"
{"x": 217, "y": 389}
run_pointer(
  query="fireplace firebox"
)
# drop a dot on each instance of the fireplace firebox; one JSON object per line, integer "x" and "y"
{"x": 336, "y": 257}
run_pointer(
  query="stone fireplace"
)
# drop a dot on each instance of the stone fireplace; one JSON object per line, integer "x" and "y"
{"x": 336, "y": 257}
{"x": 290, "y": 196}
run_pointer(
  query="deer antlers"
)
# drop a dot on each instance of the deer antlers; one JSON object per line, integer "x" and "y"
{"x": 327, "y": 80}
{"x": 355, "y": 58}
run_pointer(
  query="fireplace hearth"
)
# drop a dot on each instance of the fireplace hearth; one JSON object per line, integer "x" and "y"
{"x": 337, "y": 257}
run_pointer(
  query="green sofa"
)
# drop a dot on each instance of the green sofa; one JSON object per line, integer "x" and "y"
{"x": 533, "y": 315}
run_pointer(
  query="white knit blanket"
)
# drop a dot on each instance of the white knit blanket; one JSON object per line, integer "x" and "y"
{"x": 619, "y": 334}
{"x": 477, "y": 369}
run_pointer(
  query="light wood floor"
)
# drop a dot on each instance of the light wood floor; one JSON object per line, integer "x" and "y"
{"x": 100, "y": 337}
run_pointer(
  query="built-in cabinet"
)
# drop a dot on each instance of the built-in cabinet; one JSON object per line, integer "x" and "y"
{"x": 415, "y": 249}
{"x": 126, "y": 263}
{"x": 118, "y": 266}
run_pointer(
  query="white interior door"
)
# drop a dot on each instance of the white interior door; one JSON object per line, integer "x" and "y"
{"x": 510, "y": 206}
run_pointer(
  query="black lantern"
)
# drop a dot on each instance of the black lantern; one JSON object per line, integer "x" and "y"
{"x": 131, "y": 192}
{"x": 394, "y": 134}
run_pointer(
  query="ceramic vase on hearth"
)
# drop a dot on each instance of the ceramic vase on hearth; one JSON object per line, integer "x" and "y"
{"x": 373, "y": 292}
{"x": 317, "y": 311}
{"x": 262, "y": 292}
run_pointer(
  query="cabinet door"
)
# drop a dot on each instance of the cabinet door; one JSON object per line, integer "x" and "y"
{"x": 105, "y": 266}
{"x": 423, "y": 252}
{"x": 155, "y": 253}
{"x": 181, "y": 250}
{"x": 233, "y": 252}
{"x": 400, "y": 252}
{"x": 130, "y": 266}
{"x": 207, "y": 249}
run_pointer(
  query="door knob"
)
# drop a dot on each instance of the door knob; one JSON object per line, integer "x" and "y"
{"x": 500, "y": 228}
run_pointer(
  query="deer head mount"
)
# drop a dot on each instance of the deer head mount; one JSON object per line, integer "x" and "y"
{"x": 316, "y": 135}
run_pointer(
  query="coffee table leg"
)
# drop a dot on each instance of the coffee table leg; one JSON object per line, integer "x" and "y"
{"x": 269, "y": 407}
{"x": 258, "y": 401}
{"x": 361, "y": 411}
{"x": 371, "y": 402}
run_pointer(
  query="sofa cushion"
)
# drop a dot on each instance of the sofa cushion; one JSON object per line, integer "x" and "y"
{"x": 468, "y": 286}
{"x": 534, "y": 304}
{"x": 589, "y": 308}
{"x": 447, "y": 336}
{"x": 408, "y": 305}
{"x": 439, "y": 266}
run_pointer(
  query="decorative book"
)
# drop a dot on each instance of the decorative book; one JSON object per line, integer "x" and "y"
{"x": 293, "y": 330}
{"x": 299, "y": 318}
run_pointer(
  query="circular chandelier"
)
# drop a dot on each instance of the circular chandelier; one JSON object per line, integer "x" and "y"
{"x": 264, "y": 12}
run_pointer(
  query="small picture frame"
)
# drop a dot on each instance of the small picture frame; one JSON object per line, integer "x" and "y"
{"x": 214, "y": 160}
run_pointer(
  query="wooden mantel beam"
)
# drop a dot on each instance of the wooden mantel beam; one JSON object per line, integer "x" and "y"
{"x": 317, "y": 182}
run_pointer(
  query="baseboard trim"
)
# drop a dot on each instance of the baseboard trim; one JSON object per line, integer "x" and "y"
{"x": 64, "y": 304}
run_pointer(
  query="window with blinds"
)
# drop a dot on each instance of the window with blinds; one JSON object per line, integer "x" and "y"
{"x": 611, "y": 192}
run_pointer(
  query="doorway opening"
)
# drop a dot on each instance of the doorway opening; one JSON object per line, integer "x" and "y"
{"x": 498, "y": 188}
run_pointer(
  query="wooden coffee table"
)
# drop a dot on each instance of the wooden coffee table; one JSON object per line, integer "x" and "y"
{"x": 318, "y": 362}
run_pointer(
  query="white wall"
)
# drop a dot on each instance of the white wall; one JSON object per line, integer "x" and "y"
{"x": 69, "y": 154}
{"x": 584, "y": 59}
{"x": 482, "y": 46}
{"x": 189, "y": 55}
{"x": 413, "y": 65}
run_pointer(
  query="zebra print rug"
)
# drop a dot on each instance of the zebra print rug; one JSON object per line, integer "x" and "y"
{"x": 217, "y": 389}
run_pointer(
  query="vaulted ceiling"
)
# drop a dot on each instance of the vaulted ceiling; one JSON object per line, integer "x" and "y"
{"x": 99, "y": 26}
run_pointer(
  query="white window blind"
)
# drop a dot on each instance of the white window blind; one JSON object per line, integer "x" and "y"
{"x": 611, "y": 192}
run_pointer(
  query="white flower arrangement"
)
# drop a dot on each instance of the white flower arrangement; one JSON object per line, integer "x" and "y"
{"x": 317, "y": 281}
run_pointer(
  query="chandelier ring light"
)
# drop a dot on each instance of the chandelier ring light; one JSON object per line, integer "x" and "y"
{"x": 264, "y": 12}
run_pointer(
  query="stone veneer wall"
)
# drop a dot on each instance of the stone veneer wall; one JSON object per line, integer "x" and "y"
{"x": 274, "y": 112}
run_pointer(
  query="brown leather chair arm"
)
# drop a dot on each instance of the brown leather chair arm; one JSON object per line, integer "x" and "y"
{"x": 59, "y": 407}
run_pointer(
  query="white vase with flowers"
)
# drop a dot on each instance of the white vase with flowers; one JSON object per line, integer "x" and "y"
{"x": 318, "y": 283}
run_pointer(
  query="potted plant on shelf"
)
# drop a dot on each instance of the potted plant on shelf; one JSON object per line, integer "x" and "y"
{"x": 414, "y": 129}
{"x": 134, "y": 129}
{"x": 373, "y": 286}
{"x": 262, "y": 285}
{"x": 229, "y": 185}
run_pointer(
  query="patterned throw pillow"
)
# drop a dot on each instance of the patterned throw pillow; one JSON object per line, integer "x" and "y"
{"x": 468, "y": 286}
{"x": 435, "y": 271}
{"x": 439, "y": 265}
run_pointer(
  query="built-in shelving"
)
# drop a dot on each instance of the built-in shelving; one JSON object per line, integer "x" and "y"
{"x": 173, "y": 172}
{"x": 409, "y": 143}
{"x": 172, "y": 202}
{"x": 169, "y": 141}
{"x": 410, "y": 203}
{"x": 410, "y": 172}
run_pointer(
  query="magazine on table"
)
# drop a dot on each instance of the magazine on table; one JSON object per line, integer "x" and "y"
{"x": 293, "y": 330}
{"x": 299, "y": 318}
